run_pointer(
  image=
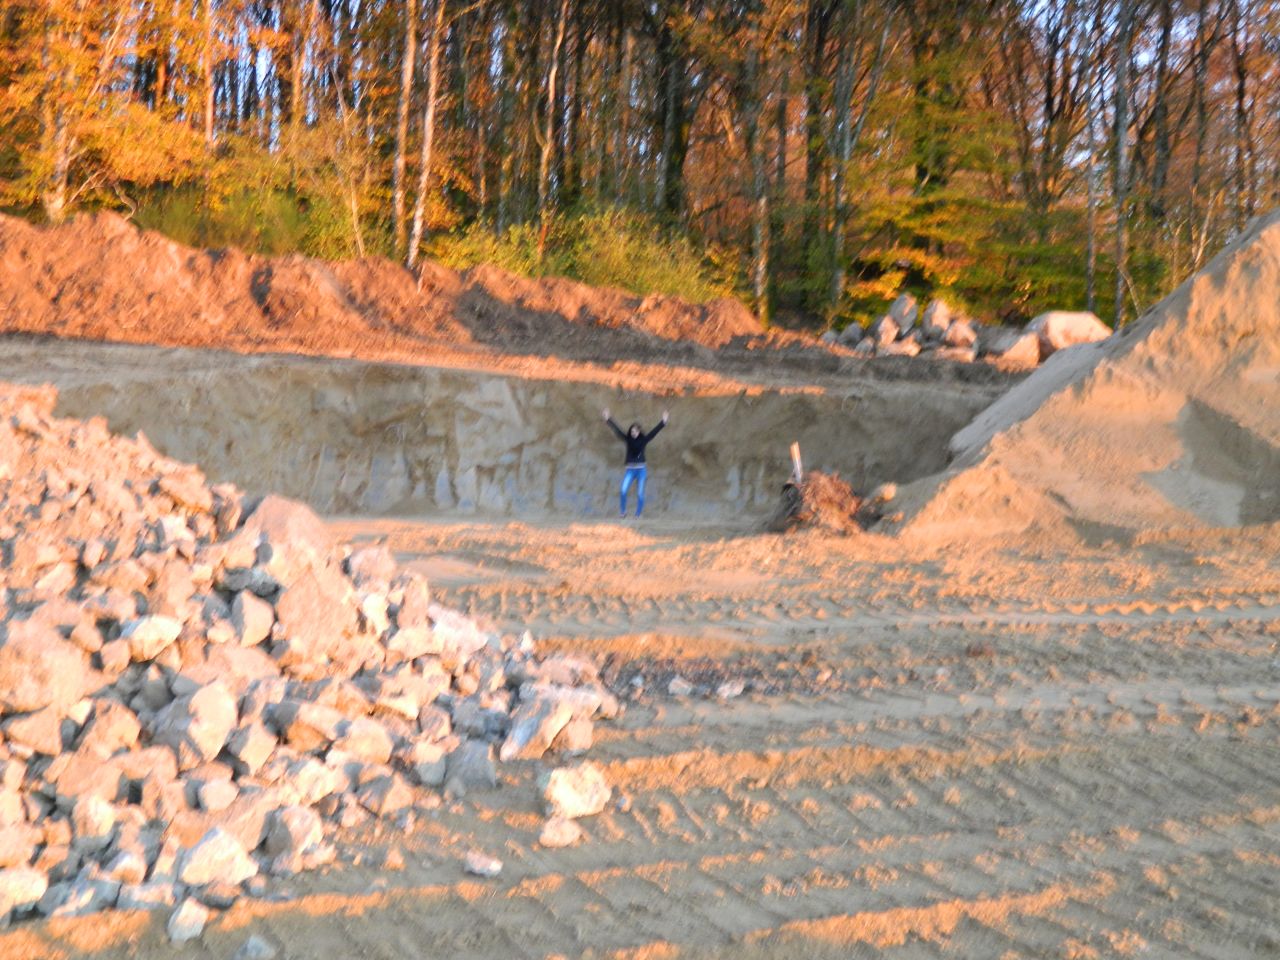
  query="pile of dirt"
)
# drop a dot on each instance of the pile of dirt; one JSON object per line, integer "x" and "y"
{"x": 1174, "y": 423}
{"x": 197, "y": 689}
{"x": 821, "y": 501}
{"x": 98, "y": 277}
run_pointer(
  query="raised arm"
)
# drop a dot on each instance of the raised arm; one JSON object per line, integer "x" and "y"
{"x": 658, "y": 429}
{"x": 614, "y": 427}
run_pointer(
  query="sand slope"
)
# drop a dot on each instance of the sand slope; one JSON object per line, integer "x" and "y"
{"x": 1174, "y": 422}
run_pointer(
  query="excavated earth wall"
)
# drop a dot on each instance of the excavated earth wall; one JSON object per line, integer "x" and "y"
{"x": 353, "y": 437}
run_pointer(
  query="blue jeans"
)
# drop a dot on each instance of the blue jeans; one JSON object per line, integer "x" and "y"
{"x": 634, "y": 474}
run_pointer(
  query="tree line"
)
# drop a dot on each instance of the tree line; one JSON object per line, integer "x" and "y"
{"x": 823, "y": 154}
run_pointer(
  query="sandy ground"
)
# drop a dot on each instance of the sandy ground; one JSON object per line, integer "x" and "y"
{"x": 984, "y": 753}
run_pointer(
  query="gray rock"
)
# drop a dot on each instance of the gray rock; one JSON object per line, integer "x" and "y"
{"x": 316, "y": 614}
{"x": 290, "y": 538}
{"x": 482, "y": 865}
{"x": 385, "y": 795}
{"x": 80, "y": 897}
{"x": 252, "y": 618}
{"x": 577, "y": 791}
{"x": 292, "y": 831}
{"x": 148, "y": 636}
{"x": 374, "y": 564}
{"x": 197, "y": 726}
{"x": 187, "y": 922}
{"x": 1059, "y": 329}
{"x": 21, "y": 888}
{"x": 935, "y": 320}
{"x": 113, "y": 727}
{"x": 903, "y": 311}
{"x": 18, "y": 842}
{"x": 217, "y": 858}
{"x": 883, "y": 332}
{"x": 901, "y": 348}
{"x": 851, "y": 335}
{"x": 40, "y": 731}
{"x": 255, "y": 948}
{"x": 365, "y": 739}
{"x": 157, "y": 895}
{"x": 960, "y": 333}
{"x": 1013, "y": 348}
{"x": 534, "y": 726}
{"x": 252, "y": 744}
{"x": 559, "y": 832}
{"x": 470, "y": 767}
{"x": 216, "y": 795}
{"x": 39, "y": 669}
{"x": 679, "y": 687}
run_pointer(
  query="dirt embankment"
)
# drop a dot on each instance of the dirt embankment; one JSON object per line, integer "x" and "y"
{"x": 385, "y": 439}
{"x": 99, "y": 278}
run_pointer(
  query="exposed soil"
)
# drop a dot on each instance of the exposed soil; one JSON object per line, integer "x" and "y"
{"x": 100, "y": 278}
{"x": 983, "y": 753}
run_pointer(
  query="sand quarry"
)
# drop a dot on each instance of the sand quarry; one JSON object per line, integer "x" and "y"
{"x": 1033, "y": 712}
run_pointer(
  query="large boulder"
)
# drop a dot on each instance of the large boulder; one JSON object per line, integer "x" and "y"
{"x": 935, "y": 320}
{"x": 883, "y": 332}
{"x": 960, "y": 333}
{"x": 316, "y": 614}
{"x": 39, "y": 669}
{"x": 289, "y": 537}
{"x": 1059, "y": 329}
{"x": 1011, "y": 349}
{"x": 903, "y": 311}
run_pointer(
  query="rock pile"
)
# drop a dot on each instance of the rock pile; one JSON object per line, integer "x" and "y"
{"x": 196, "y": 688}
{"x": 945, "y": 334}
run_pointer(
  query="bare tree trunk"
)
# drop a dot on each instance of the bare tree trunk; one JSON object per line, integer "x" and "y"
{"x": 1160, "y": 116}
{"x": 407, "y": 63}
{"x": 1124, "y": 53}
{"x": 206, "y": 67}
{"x": 622, "y": 134}
{"x": 816, "y": 150}
{"x": 1245, "y": 163}
{"x": 1091, "y": 186}
{"x": 547, "y": 134}
{"x": 428, "y": 130}
{"x": 752, "y": 103}
{"x": 846, "y": 134}
{"x": 506, "y": 107}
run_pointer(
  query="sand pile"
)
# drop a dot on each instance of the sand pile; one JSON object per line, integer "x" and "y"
{"x": 98, "y": 277}
{"x": 1172, "y": 423}
{"x": 196, "y": 688}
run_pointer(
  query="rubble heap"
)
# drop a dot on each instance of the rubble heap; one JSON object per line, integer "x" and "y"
{"x": 196, "y": 687}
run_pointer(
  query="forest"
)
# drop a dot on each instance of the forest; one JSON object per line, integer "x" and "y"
{"x": 813, "y": 157}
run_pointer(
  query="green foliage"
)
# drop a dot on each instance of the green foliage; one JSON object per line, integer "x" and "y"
{"x": 602, "y": 247}
{"x": 294, "y": 201}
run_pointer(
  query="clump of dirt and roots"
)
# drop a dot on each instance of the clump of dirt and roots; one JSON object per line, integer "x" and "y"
{"x": 820, "y": 501}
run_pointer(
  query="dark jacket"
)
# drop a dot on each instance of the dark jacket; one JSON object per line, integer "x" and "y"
{"x": 636, "y": 445}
